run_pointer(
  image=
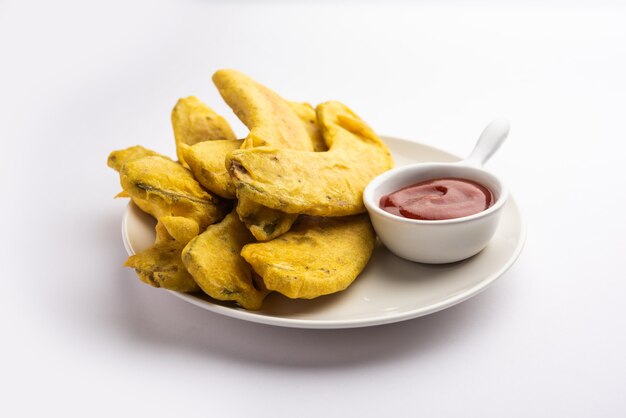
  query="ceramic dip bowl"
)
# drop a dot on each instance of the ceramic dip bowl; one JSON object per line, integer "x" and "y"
{"x": 447, "y": 240}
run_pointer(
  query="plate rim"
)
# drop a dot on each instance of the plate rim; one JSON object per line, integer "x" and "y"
{"x": 252, "y": 316}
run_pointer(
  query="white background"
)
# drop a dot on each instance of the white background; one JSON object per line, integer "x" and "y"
{"x": 81, "y": 336}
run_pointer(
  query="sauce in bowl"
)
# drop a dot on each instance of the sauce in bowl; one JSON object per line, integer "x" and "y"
{"x": 438, "y": 199}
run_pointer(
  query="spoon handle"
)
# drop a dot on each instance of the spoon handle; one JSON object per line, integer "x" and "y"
{"x": 490, "y": 140}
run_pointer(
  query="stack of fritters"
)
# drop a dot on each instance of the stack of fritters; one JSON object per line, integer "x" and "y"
{"x": 280, "y": 210}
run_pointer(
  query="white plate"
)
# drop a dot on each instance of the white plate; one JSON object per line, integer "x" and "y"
{"x": 390, "y": 289}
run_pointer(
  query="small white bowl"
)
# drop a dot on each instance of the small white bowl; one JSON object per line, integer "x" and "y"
{"x": 443, "y": 241}
{"x": 434, "y": 242}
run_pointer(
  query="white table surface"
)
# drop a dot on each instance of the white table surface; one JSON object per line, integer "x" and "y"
{"x": 83, "y": 337}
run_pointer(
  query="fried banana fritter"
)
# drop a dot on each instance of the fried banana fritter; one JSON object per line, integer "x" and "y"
{"x": 178, "y": 228}
{"x": 117, "y": 159}
{"x": 264, "y": 223}
{"x": 214, "y": 261}
{"x": 206, "y": 162}
{"x": 161, "y": 264}
{"x": 270, "y": 118}
{"x": 318, "y": 256}
{"x": 195, "y": 122}
{"x": 272, "y": 121}
{"x": 162, "y": 187}
{"x": 327, "y": 183}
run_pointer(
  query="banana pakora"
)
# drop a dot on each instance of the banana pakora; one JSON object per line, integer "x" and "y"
{"x": 315, "y": 183}
{"x": 161, "y": 265}
{"x": 195, "y": 122}
{"x": 264, "y": 223}
{"x": 318, "y": 256}
{"x": 214, "y": 261}
{"x": 269, "y": 117}
{"x": 272, "y": 121}
{"x": 162, "y": 187}
{"x": 117, "y": 159}
{"x": 167, "y": 191}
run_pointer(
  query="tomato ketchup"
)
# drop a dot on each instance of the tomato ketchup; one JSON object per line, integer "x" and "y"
{"x": 438, "y": 199}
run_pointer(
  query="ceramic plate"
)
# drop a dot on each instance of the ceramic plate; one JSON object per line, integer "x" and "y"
{"x": 390, "y": 289}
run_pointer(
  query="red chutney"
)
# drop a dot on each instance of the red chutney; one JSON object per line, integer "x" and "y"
{"x": 438, "y": 199}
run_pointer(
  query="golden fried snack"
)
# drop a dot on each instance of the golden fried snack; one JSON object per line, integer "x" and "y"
{"x": 308, "y": 117}
{"x": 213, "y": 260}
{"x": 206, "y": 162}
{"x": 264, "y": 223}
{"x": 194, "y": 122}
{"x": 269, "y": 117}
{"x": 318, "y": 256}
{"x": 161, "y": 265}
{"x": 179, "y": 228}
{"x": 162, "y": 187}
{"x": 118, "y": 158}
{"x": 315, "y": 183}
{"x": 272, "y": 121}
